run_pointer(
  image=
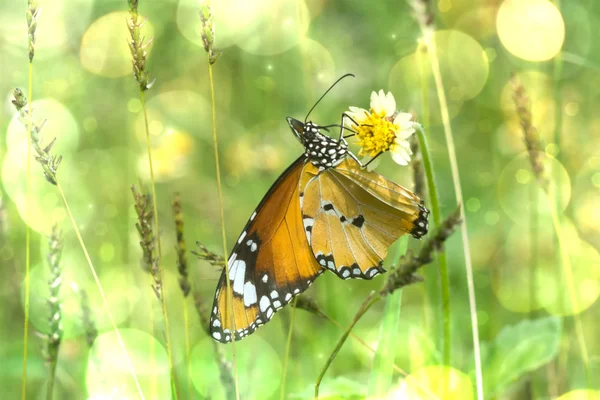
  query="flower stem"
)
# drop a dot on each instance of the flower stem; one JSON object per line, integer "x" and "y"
{"x": 220, "y": 191}
{"x": 442, "y": 260}
{"x": 287, "y": 351}
{"x": 27, "y": 236}
{"x": 435, "y": 66}
{"x": 163, "y": 301}
{"x": 100, "y": 289}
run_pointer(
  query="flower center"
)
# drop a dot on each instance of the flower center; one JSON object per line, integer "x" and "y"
{"x": 375, "y": 134}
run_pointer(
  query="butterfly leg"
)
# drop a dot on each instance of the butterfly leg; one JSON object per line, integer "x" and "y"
{"x": 342, "y": 127}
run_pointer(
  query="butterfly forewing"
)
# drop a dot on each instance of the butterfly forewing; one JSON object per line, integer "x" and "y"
{"x": 355, "y": 215}
{"x": 270, "y": 263}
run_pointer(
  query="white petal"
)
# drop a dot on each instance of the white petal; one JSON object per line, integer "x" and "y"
{"x": 376, "y": 101}
{"x": 357, "y": 114}
{"x": 399, "y": 155}
{"x": 403, "y": 119}
{"x": 402, "y": 143}
{"x": 389, "y": 104}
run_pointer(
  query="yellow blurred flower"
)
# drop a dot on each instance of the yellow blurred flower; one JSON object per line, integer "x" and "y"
{"x": 383, "y": 128}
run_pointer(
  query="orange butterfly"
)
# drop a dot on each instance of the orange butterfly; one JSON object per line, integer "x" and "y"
{"x": 325, "y": 212}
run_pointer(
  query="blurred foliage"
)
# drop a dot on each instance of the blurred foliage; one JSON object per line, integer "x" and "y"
{"x": 278, "y": 58}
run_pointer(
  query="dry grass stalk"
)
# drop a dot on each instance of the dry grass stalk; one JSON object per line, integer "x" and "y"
{"x": 410, "y": 263}
{"x": 530, "y": 134}
{"x": 54, "y": 336}
{"x": 145, "y": 213}
{"x": 48, "y": 162}
{"x": 138, "y": 47}
{"x": 208, "y": 34}
{"x": 417, "y": 167}
{"x": 180, "y": 247}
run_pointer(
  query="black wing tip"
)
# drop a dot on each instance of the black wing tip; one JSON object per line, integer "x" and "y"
{"x": 421, "y": 224}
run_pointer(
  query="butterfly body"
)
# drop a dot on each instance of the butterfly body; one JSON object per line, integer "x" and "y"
{"x": 325, "y": 212}
{"x": 320, "y": 150}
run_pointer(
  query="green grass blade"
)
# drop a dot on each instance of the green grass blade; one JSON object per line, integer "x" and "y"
{"x": 383, "y": 363}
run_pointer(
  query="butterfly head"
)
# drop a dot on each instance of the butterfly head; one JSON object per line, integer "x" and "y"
{"x": 321, "y": 150}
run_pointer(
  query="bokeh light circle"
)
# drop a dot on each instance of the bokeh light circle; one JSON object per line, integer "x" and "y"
{"x": 464, "y": 67}
{"x": 280, "y": 26}
{"x": 235, "y": 20}
{"x": 584, "y": 263}
{"x": 539, "y": 88}
{"x": 108, "y": 374}
{"x": 586, "y": 197}
{"x": 61, "y": 125}
{"x": 436, "y": 381}
{"x": 104, "y": 46}
{"x": 259, "y": 361}
{"x": 65, "y": 21}
{"x": 518, "y": 188}
{"x": 519, "y": 288}
{"x": 46, "y": 205}
{"x": 533, "y": 30}
{"x": 318, "y": 64}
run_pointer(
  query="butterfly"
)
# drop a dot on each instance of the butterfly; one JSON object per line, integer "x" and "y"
{"x": 325, "y": 212}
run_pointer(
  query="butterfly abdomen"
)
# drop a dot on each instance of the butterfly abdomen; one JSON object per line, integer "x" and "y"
{"x": 421, "y": 224}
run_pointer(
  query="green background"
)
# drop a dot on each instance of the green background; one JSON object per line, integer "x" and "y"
{"x": 278, "y": 58}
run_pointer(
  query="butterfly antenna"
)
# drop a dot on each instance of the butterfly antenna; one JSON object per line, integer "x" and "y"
{"x": 327, "y": 91}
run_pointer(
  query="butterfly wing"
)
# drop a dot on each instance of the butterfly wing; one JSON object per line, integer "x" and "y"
{"x": 353, "y": 216}
{"x": 270, "y": 263}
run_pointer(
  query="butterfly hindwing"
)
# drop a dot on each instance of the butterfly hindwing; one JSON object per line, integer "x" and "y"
{"x": 270, "y": 263}
{"x": 355, "y": 217}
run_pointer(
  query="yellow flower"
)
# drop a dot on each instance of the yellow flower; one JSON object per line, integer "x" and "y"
{"x": 383, "y": 128}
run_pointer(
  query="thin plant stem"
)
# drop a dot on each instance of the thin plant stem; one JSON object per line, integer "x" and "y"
{"x": 100, "y": 289}
{"x": 373, "y": 298}
{"x": 221, "y": 207}
{"x": 51, "y": 379}
{"x": 533, "y": 233}
{"x": 442, "y": 260}
{"x": 380, "y": 379}
{"x": 372, "y": 350}
{"x": 186, "y": 323}
{"x": 570, "y": 281}
{"x": 287, "y": 351}
{"x": 163, "y": 301}
{"x": 435, "y": 66}
{"x": 27, "y": 236}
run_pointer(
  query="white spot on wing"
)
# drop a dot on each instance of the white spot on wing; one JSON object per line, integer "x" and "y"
{"x": 277, "y": 304}
{"x": 269, "y": 312}
{"x": 346, "y": 273}
{"x": 249, "y": 294}
{"x": 274, "y": 294}
{"x": 216, "y": 323}
{"x": 253, "y": 216}
{"x": 217, "y": 335}
{"x": 242, "y": 236}
{"x": 264, "y": 304}
{"x": 288, "y": 297}
{"x": 265, "y": 278}
{"x": 240, "y": 274}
